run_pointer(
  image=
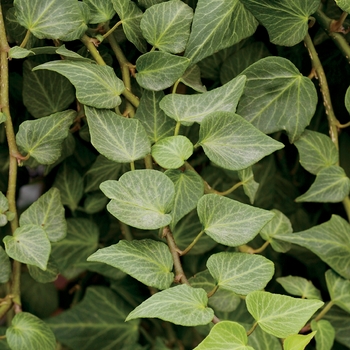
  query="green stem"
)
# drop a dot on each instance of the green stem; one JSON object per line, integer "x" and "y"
{"x": 25, "y": 40}
{"x": 324, "y": 311}
{"x": 252, "y": 329}
{"x": 132, "y": 166}
{"x": 230, "y": 190}
{"x": 177, "y": 128}
{"x": 89, "y": 43}
{"x": 213, "y": 291}
{"x": 110, "y": 31}
{"x": 175, "y": 86}
{"x": 259, "y": 250}
{"x": 131, "y": 97}
{"x": 346, "y": 204}
{"x": 148, "y": 162}
{"x": 200, "y": 234}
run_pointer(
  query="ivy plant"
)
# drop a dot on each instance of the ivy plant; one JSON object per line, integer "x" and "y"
{"x": 174, "y": 174}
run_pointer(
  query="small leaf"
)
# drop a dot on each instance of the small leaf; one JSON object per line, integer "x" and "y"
{"x": 299, "y": 286}
{"x": 261, "y": 340}
{"x": 4, "y": 204}
{"x": 225, "y": 335}
{"x": 29, "y": 332}
{"x": 72, "y": 55}
{"x": 192, "y": 78}
{"x": 141, "y": 198}
{"x": 42, "y": 139}
{"x": 280, "y": 315}
{"x": 49, "y": 275}
{"x": 347, "y": 98}
{"x": 5, "y": 271}
{"x": 233, "y": 143}
{"x": 159, "y": 70}
{"x": 250, "y": 186}
{"x": 230, "y": 222}
{"x": 297, "y": 341}
{"x": 148, "y": 261}
{"x": 120, "y": 139}
{"x": 188, "y": 109}
{"x": 96, "y": 86}
{"x": 182, "y": 305}
{"x": 29, "y": 245}
{"x": 2, "y": 117}
{"x": 338, "y": 289}
{"x": 19, "y": 52}
{"x": 240, "y": 272}
{"x": 95, "y": 202}
{"x": 325, "y": 334}
{"x": 100, "y": 11}
{"x": 340, "y": 321}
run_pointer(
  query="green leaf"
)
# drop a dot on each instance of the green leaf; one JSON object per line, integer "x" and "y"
{"x": 189, "y": 188}
{"x": 218, "y": 24}
{"x": 280, "y": 315}
{"x": 261, "y": 340}
{"x": 188, "y": 109}
{"x": 19, "y": 52}
{"x": 101, "y": 11}
{"x": 29, "y": 245}
{"x": 340, "y": 321}
{"x": 343, "y": 4}
{"x": 250, "y": 186}
{"x": 49, "y": 275}
{"x": 279, "y": 225}
{"x": 29, "y": 332}
{"x": 38, "y": 16}
{"x": 42, "y": 139}
{"x": 166, "y": 26}
{"x": 325, "y": 334}
{"x": 5, "y": 271}
{"x": 97, "y": 322}
{"x": 331, "y": 186}
{"x": 130, "y": 16}
{"x": 148, "y": 261}
{"x": 225, "y": 335}
{"x": 171, "y": 152}
{"x": 275, "y": 93}
{"x": 4, "y": 204}
{"x": 159, "y": 70}
{"x": 101, "y": 268}
{"x": 240, "y": 272}
{"x": 120, "y": 139}
{"x": 96, "y": 86}
{"x": 182, "y": 305}
{"x": 286, "y": 21}
{"x": 192, "y": 78}
{"x": 141, "y": 198}
{"x": 2, "y": 117}
{"x": 299, "y": 286}
{"x": 95, "y": 202}
{"x": 330, "y": 241}
{"x": 316, "y": 151}
{"x": 297, "y": 341}
{"x": 149, "y": 3}
{"x": 230, "y": 222}
{"x": 338, "y": 289}
{"x": 72, "y": 55}
{"x": 47, "y": 212}
{"x": 155, "y": 121}
{"x": 347, "y": 99}
{"x": 233, "y": 143}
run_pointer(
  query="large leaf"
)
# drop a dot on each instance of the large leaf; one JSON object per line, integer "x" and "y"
{"x": 101, "y": 11}
{"x": 277, "y": 97}
{"x": 240, "y": 272}
{"x": 230, "y": 222}
{"x": 280, "y": 315}
{"x": 340, "y": 320}
{"x": 338, "y": 289}
{"x": 261, "y": 340}
{"x": 141, "y": 198}
{"x": 188, "y": 109}
{"x": 233, "y": 143}
{"x": 147, "y": 260}
{"x": 182, "y": 305}
{"x": 97, "y": 322}
{"x": 42, "y": 139}
{"x": 325, "y": 334}
{"x": 96, "y": 86}
{"x": 120, "y": 139}
{"x": 343, "y": 4}
{"x": 299, "y": 286}
{"x": 330, "y": 241}
{"x": 5, "y": 271}
{"x": 218, "y": 24}
{"x": 29, "y": 332}
{"x": 286, "y": 21}
{"x": 297, "y": 341}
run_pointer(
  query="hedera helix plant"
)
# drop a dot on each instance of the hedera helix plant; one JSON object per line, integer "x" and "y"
{"x": 166, "y": 209}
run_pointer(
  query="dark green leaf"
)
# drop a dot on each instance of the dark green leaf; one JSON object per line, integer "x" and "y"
{"x": 192, "y": 78}
{"x": 49, "y": 275}
{"x": 338, "y": 289}
{"x": 95, "y": 202}
{"x": 5, "y": 271}
{"x": 101, "y": 11}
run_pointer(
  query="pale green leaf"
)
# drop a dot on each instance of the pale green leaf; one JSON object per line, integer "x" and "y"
{"x": 95, "y": 202}
{"x": 250, "y": 186}
{"x": 325, "y": 334}
{"x": 29, "y": 332}
{"x": 42, "y": 139}
{"x": 233, "y": 143}
{"x": 261, "y": 340}
{"x": 330, "y": 241}
{"x": 95, "y": 85}
{"x": 286, "y": 21}
{"x": 97, "y": 322}
{"x": 149, "y": 3}
{"x": 19, "y": 52}
{"x": 316, "y": 151}
{"x": 344, "y": 5}
{"x": 171, "y": 152}
{"x": 188, "y": 109}
{"x": 49, "y": 275}
{"x": 347, "y": 99}
{"x": 299, "y": 286}
{"x": 48, "y": 19}
{"x": 189, "y": 188}
{"x": 338, "y": 289}
{"x": 297, "y": 341}
{"x": 331, "y": 186}
{"x": 101, "y": 11}
{"x": 280, "y": 315}
{"x": 120, "y": 139}
{"x": 2, "y": 117}
{"x": 241, "y": 273}
{"x": 47, "y": 212}
{"x": 277, "y": 97}
{"x": 182, "y": 305}
{"x": 225, "y": 335}
{"x": 29, "y": 245}
{"x": 5, "y": 270}
{"x": 230, "y": 222}
{"x": 192, "y": 78}
{"x": 4, "y": 204}
{"x": 159, "y": 70}
{"x": 141, "y": 198}
{"x": 218, "y": 24}
{"x": 166, "y": 26}
{"x": 154, "y": 120}
{"x": 148, "y": 261}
